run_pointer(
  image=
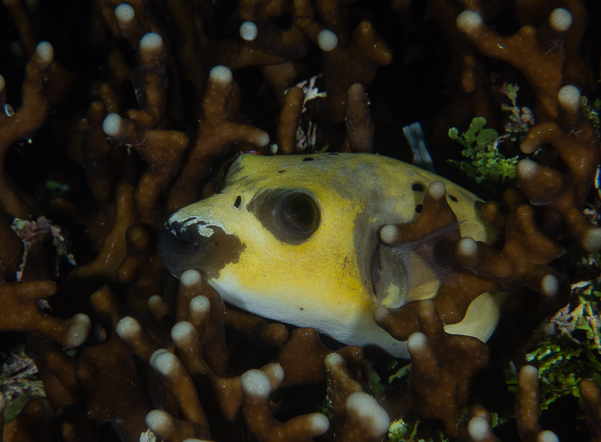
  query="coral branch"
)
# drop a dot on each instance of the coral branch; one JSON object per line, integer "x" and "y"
{"x": 256, "y": 387}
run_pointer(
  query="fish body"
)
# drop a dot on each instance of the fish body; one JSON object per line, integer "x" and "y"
{"x": 296, "y": 239}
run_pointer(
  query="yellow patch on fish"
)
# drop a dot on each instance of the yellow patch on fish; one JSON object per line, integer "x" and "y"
{"x": 296, "y": 239}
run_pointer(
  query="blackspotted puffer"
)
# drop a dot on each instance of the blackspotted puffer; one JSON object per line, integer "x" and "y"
{"x": 296, "y": 239}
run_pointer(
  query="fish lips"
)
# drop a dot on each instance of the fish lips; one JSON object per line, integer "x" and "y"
{"x": 182, "y": 246}
{"x": 179, "y": 247}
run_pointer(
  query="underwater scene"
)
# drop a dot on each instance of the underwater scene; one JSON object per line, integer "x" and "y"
{"x": 300, "y": 220}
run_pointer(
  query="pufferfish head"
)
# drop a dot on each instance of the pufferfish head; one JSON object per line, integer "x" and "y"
{"x": 296, "y": 239}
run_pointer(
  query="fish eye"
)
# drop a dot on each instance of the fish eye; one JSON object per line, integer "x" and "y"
{"x": 291, "y": 215}
{"x": 298, "y": 213}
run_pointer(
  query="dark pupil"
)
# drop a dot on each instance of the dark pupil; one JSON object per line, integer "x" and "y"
{"x": 299, "y": 214}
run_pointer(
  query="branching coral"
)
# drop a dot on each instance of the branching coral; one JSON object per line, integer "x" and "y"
{"x": 28, "y": 118}
{"x": 133, "y": 109}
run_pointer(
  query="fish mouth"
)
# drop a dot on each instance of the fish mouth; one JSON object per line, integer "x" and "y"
{"x": 181, "y": 245}
{"x": 194, "y": 243}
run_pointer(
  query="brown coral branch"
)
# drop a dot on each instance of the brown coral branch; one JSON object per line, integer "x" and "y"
{"x": 591, "y": 395}
{"x": 256, "y": 387}
{"x": 27, "y": 119}
{"x": 289, "y": 119}
{"x": 540, "y": 64}
{"x": 23, "y": 310}
{"x": 216, "y": 131}
{"x": 359, "y": 125}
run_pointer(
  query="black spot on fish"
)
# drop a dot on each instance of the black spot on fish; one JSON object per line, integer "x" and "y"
{"x": 238, "y": 201}
{"x": 453, "y": 198}
{"x": 281, "y": 171}
{"x": 417, "y": 187}
{"x": 301, "y": 309}
{"x": 419, "y": 208}
{"x": 308, "y": 159}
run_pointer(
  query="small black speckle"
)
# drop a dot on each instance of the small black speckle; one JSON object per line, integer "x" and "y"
{"x": 308, "y": 159}
{"x": 238, "y": 201}
{"x": 419, "y": 208}
{"x": 281, "y": 171}
{"x": 417, "y": 187}
{"x": 301, "y": 309}
{"x": 453, "y": 198}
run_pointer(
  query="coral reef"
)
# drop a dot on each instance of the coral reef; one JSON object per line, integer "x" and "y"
{"x": 114, "y": 116}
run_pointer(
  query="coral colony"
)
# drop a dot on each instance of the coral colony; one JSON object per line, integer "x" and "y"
{"x": 115, "y": 116}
